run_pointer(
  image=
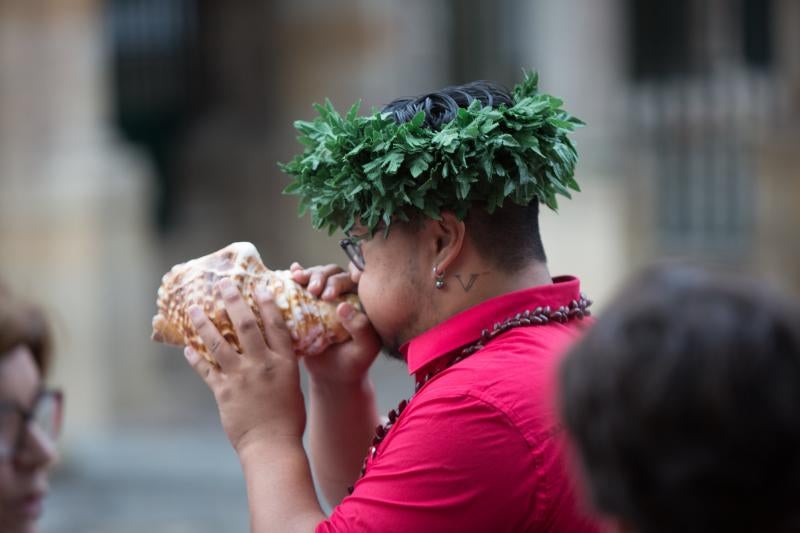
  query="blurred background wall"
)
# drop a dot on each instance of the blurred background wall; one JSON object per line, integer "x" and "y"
{"x": 138, "y": 133}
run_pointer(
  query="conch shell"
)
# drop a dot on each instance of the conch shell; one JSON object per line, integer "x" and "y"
{"x": 312, "y": 322}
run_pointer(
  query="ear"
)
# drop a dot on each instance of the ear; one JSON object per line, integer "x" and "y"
{"x": 449, "y": 233}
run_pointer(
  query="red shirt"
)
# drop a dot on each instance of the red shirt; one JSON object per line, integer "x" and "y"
{"x": 479, "y": 447}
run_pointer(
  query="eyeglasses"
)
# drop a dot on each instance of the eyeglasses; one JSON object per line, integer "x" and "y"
{"x": 352, "y": 247}
{"x": 45, "y": 417}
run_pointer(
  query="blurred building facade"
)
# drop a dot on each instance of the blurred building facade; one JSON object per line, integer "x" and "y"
{"x": 73, "y": 202}
{"x": 138, "y": 133}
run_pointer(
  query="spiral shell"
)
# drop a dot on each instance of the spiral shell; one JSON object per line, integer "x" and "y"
{"x": 313, "y": 323}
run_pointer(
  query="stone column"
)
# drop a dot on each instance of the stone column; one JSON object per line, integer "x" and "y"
{"x": 778, "y": 160}
{"x": 72, "y": 201}
{"x": 578, "y": 48}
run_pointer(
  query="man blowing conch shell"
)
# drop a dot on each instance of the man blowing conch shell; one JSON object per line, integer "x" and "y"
{"x": 438, "y": 198}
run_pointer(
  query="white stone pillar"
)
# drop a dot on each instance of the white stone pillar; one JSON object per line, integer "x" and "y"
{"x": 578, "y": 48}
{"x": 72, "y": 204}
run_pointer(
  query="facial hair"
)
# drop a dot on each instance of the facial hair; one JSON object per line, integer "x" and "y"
{"x": 411, "y": 329}
{"x": 393, "y": 353}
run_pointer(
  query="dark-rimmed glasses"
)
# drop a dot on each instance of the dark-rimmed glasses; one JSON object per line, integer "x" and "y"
{"x": 352, "y": 247}
{"x": 44, "y": 417}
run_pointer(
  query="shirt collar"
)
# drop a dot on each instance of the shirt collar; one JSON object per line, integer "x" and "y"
{"x": 465, "y": 327}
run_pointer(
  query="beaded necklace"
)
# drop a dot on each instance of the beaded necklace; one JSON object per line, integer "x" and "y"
{"x": 537, "y": 317}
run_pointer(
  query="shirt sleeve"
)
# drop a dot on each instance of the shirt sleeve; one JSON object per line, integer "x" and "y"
{"x": 451, "y": 463}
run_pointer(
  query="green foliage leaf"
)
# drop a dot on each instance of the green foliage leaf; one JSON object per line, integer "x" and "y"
{"x": 371, "y": 169}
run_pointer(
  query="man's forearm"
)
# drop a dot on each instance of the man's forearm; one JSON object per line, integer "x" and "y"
{"x": 280, "y": 490}
{"x": 342, "y": 422}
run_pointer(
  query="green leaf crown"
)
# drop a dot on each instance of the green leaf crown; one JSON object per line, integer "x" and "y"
{"x": 371, "y": 169}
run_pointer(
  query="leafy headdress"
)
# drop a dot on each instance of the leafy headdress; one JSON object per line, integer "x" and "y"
{"x": 372, "y": 169}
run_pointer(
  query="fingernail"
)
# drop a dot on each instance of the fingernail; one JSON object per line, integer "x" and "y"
{"x": 327, "y": 293}
{"x": 227, "y": 287}
{"x": 190, "y": 355}
{"x": 195, "y": 313}
{"x": 347, "y": 312}
{"x": 263, "y": 294}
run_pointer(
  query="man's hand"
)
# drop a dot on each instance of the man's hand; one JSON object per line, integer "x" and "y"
{"x": 257, "y": 391}
{"x": 262, "y": 410}
{"x": 342, "y": 416}
{"x": 345, "y": 363}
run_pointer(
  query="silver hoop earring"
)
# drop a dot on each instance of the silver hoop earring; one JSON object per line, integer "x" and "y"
{"x": 439, "y": 284}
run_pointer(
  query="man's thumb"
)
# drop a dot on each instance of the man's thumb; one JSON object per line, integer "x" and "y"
{"x": 355, "y": 322}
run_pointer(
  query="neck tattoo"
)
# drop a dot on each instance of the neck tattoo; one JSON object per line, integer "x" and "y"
{"x": 468, "y": 284}
{"x": 577, "y": 309}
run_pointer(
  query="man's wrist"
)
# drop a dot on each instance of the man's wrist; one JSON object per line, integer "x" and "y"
{"x": 329, "y": 387}
{"x": 269, "y": 447}
{"x": 280, "y": 488}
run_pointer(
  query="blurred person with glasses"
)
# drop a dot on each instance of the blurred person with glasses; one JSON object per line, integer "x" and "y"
{"x": 30, "y": 415}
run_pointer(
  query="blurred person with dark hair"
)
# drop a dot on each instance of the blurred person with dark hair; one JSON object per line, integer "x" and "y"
{"x": 684, "y": 404}
{"x": 30, "y": 415}
{"x": 438, "y": 197}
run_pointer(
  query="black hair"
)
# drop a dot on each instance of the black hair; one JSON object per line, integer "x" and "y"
{"x": 684, "y": 404}
{"x": 509, "y": 237}
{"x": 440, "y": 107}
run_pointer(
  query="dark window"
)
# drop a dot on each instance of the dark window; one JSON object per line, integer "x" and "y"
{"x": 756, "y": 32}
{"x": 687, "y": 62}
{"x": 154, "y": 59}
{"x": 659, "y": 38}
